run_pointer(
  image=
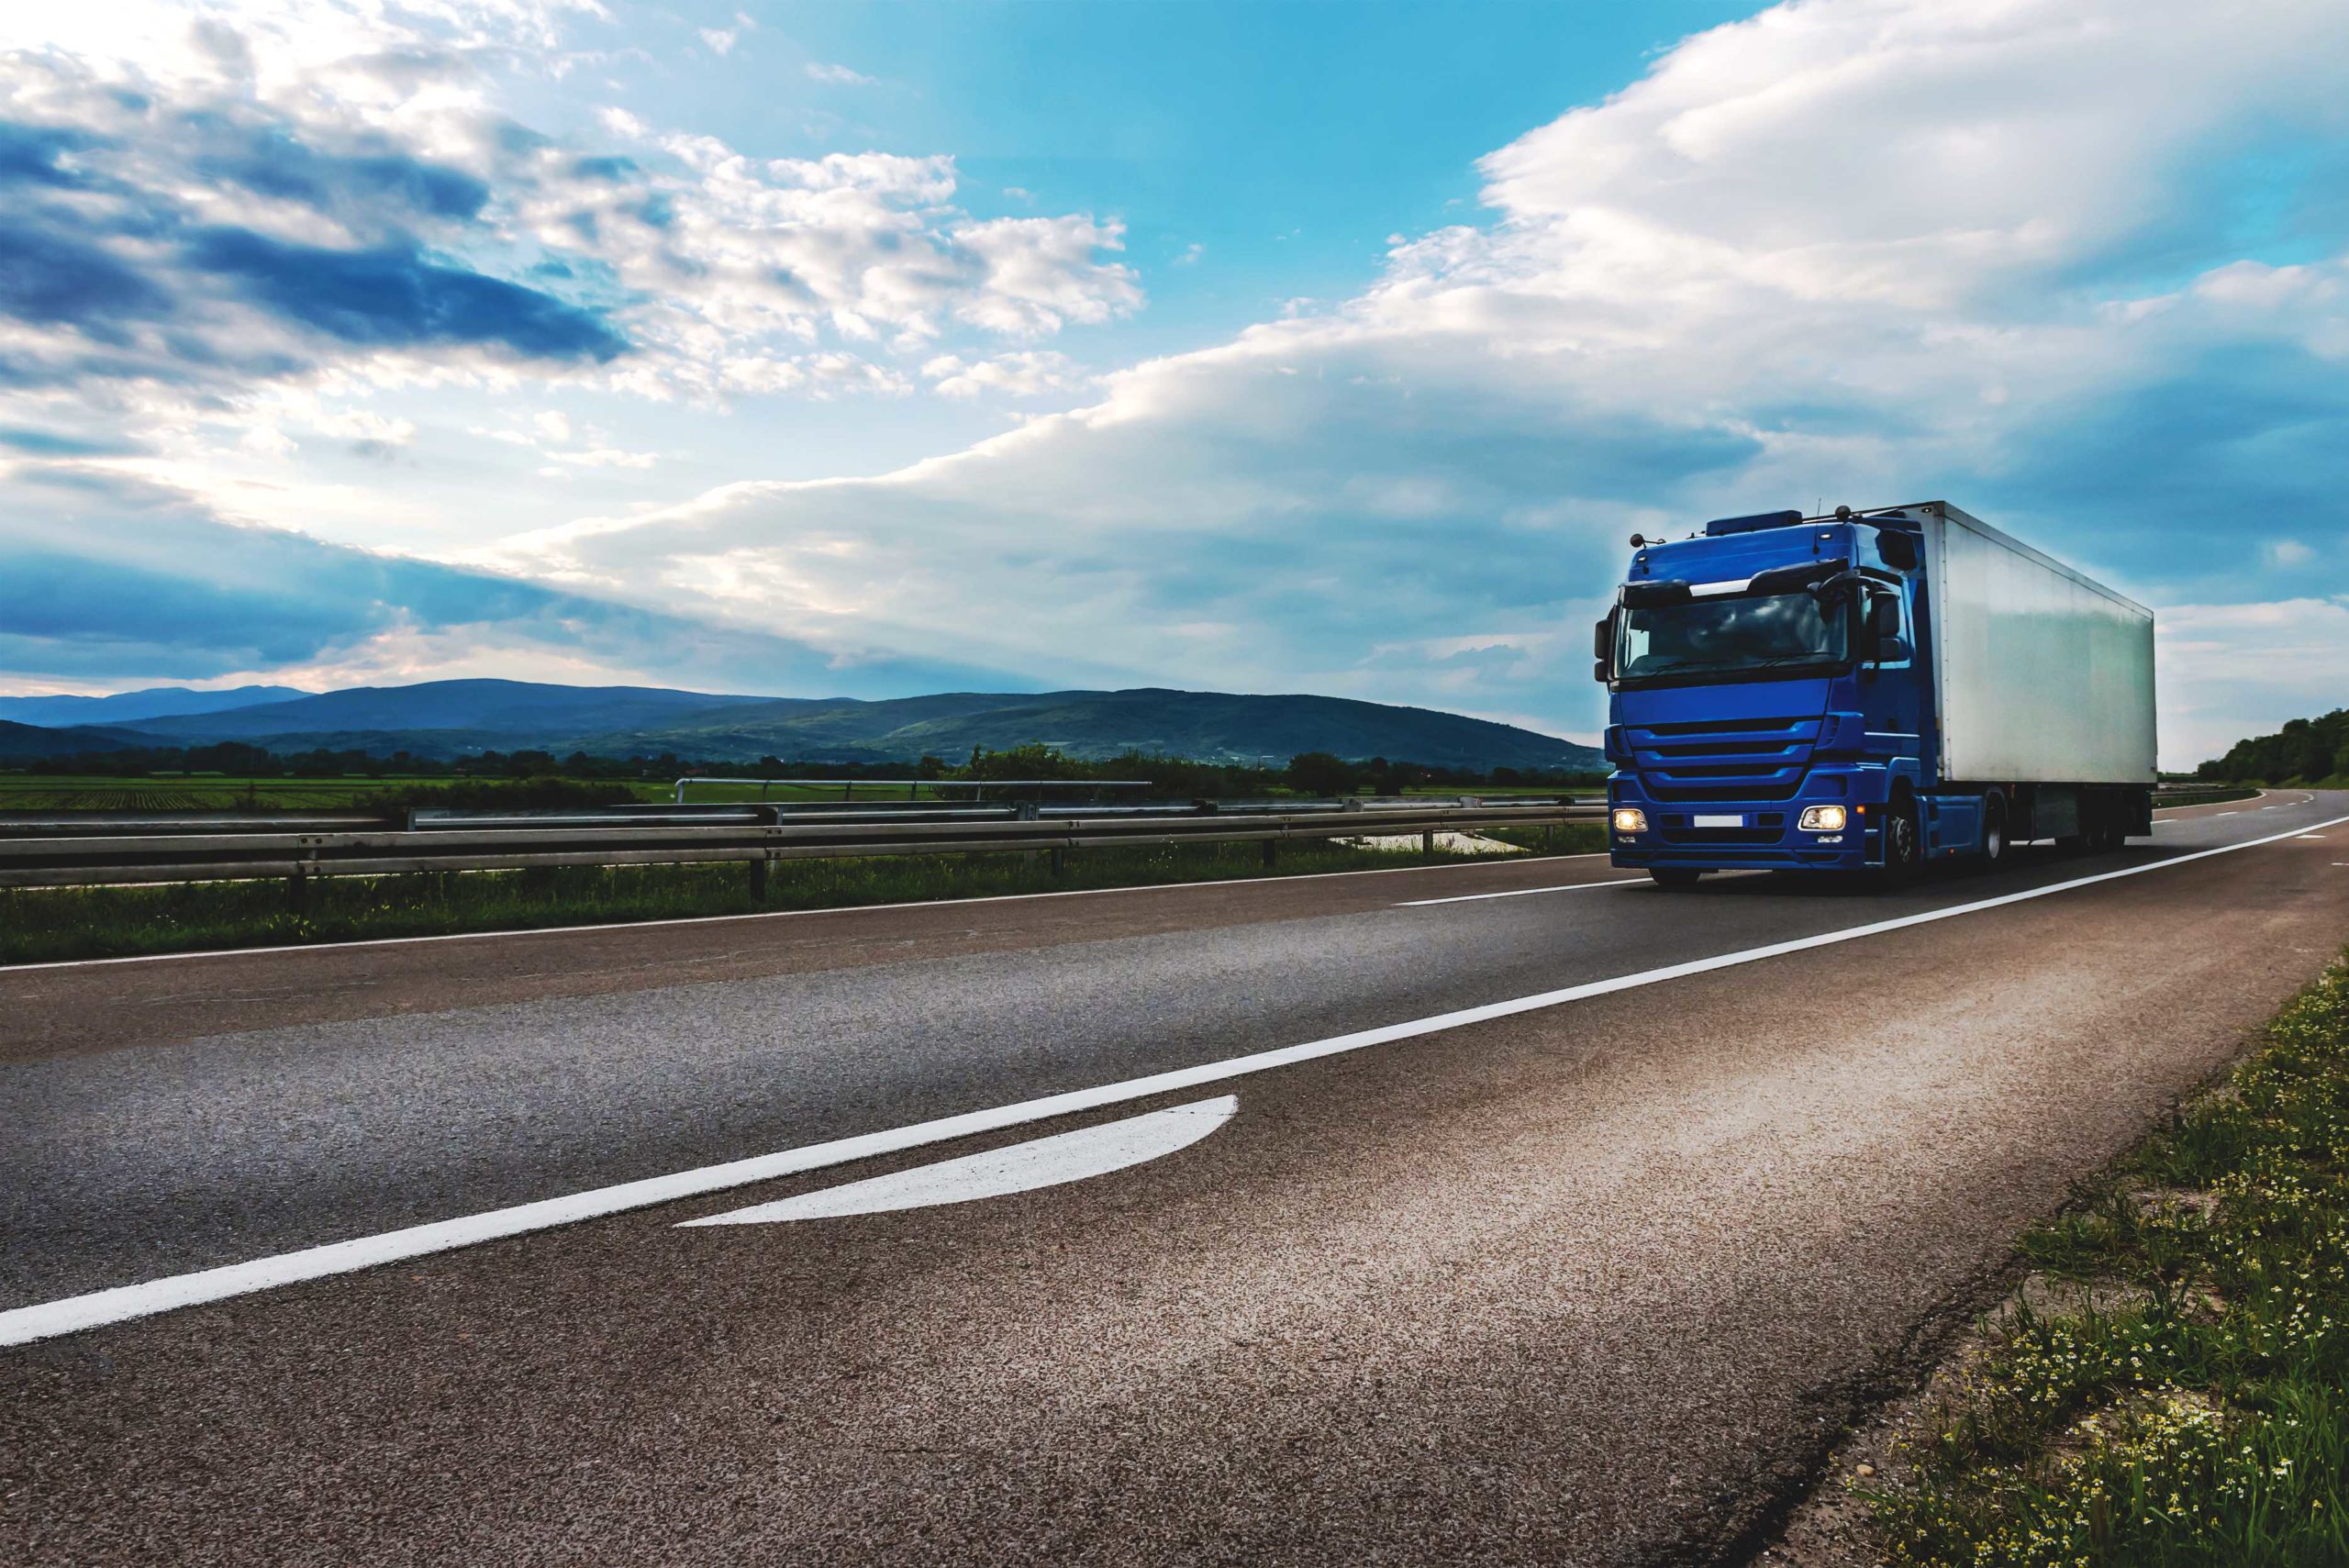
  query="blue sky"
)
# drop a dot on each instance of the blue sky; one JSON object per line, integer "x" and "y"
{"x": 1276, "y": 346}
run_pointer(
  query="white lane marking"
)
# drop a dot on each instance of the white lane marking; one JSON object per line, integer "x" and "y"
{"x": 2271, "y": 808}
{"x": 2311, "y": 837}
{"x": 997, "y": 1173}
{"x": 1521, "y": 892}
{"x": 7, "y": 969}
{"x": 71, "y": 1313}
{"x": 2231, "y": 813}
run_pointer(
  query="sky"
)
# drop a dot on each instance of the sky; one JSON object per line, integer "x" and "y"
{"x": 870, "y": 349}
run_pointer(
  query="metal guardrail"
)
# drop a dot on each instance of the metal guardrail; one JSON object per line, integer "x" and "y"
{"x": 500, "y": 845}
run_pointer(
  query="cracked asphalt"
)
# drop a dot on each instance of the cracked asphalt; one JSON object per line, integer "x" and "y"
{"x": 1594, "y": 1284}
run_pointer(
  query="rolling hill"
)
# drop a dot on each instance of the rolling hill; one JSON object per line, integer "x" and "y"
{"x": 23, "y": 742}
{"x": 1208, "y": 726}
{"x": 126, "y": 707}
{"x": 525, "y": 711}
{"x": 456, "y": 718}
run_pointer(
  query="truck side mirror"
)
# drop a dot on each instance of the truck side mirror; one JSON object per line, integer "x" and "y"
{"x": 1884, "y": 628}
{"x": 1602, "y": 638}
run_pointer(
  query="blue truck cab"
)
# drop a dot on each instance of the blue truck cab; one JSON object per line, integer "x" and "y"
{"x": 1868, "y": 694}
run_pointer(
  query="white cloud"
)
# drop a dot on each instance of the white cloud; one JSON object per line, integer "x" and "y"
{"x": 603, "y": 457}
{"x": 1029, "y": 374}
{"x": 836, "y": 75}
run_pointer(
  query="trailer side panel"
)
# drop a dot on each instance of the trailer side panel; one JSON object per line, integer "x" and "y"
{"x": 2044, "y": 675}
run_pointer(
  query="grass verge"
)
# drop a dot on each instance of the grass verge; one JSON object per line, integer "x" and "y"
{"x": 2180, "y": 1396}
{"x": 1564, "y": 839}
{"x": 48, "y": 924}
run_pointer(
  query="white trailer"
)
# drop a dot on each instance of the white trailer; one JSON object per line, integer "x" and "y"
{"x": 2041, "y": 673}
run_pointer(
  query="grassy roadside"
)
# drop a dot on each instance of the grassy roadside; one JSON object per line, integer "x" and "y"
{"x": 101, "y": 922}
{"x": 2173, "y": 1389}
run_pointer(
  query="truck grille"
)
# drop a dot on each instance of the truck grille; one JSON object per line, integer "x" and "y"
{"x": 1724, "y": 758}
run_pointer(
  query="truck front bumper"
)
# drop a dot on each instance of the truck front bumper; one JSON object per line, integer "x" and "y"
{"x": 1747, "y": 834}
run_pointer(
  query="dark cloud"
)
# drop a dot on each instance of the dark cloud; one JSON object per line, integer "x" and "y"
{"x": 2178, "y": 480}
{"x": 57, "y": 443}
{"x": 98, "y": 237}
{"x": 35, "y": 154}
{"x": 270, "y": 160}
{"x": 51, "y": 278}
{"x": 393, "y": 296}
{"x": 607, "y": 168}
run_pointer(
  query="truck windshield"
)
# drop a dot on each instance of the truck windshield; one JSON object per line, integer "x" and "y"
{"x": 1708, "y": 639}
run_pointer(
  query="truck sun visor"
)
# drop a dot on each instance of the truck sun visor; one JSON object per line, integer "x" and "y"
{"x": 1794, "y": 579}
{"x": 1647, "y": 595}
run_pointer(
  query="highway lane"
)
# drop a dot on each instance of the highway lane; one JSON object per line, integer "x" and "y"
{"x": 1580, "y": 1281}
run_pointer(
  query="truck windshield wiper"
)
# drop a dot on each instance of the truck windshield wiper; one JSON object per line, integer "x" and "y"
{"x": 1779, "y": 659}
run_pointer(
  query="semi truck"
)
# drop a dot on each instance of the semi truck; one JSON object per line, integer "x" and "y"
{"x": 1869, "y": 692}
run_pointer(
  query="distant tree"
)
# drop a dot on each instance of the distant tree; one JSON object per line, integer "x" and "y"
{"x": 1320, "y": 773}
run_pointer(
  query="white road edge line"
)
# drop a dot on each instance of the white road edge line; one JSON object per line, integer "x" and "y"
{"x": 46, "y": 1319}
{"x": 9, "y": 969}
{"x": 1522, "y": 892}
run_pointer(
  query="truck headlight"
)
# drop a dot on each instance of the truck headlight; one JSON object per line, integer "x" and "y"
{"x": 1631, "y": 819}
{"x": 1821, "y": 820}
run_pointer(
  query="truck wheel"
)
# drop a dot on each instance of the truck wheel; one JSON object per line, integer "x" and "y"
{"x": 1674, "y": 877}
{"x": 1995, "y": 843}
{"x": 1903, "y": 848}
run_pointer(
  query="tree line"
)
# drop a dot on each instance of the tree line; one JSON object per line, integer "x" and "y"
{"x": 2306, "y": 750}
{"x": 497, "y": 774}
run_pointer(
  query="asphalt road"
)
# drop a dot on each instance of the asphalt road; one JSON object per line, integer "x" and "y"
{"x": 1590, "y": 1282}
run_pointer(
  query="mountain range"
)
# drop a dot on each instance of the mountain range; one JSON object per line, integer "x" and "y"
{"x": 449, "y": 720}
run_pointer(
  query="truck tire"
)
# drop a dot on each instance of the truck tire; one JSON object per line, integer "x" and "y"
{"x": 1995, "y": 842}
{"x": 1673, "y": 878}
{"x": 1904, "y": 845}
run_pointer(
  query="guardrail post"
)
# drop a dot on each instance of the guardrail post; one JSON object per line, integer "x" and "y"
{"x": 1271, "y": 851}
{"x": 759, "y": 880}
{"x": 1060, "y": 860}
{"x": 1427, "y": 843}
{"x": 297, "y": 892}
